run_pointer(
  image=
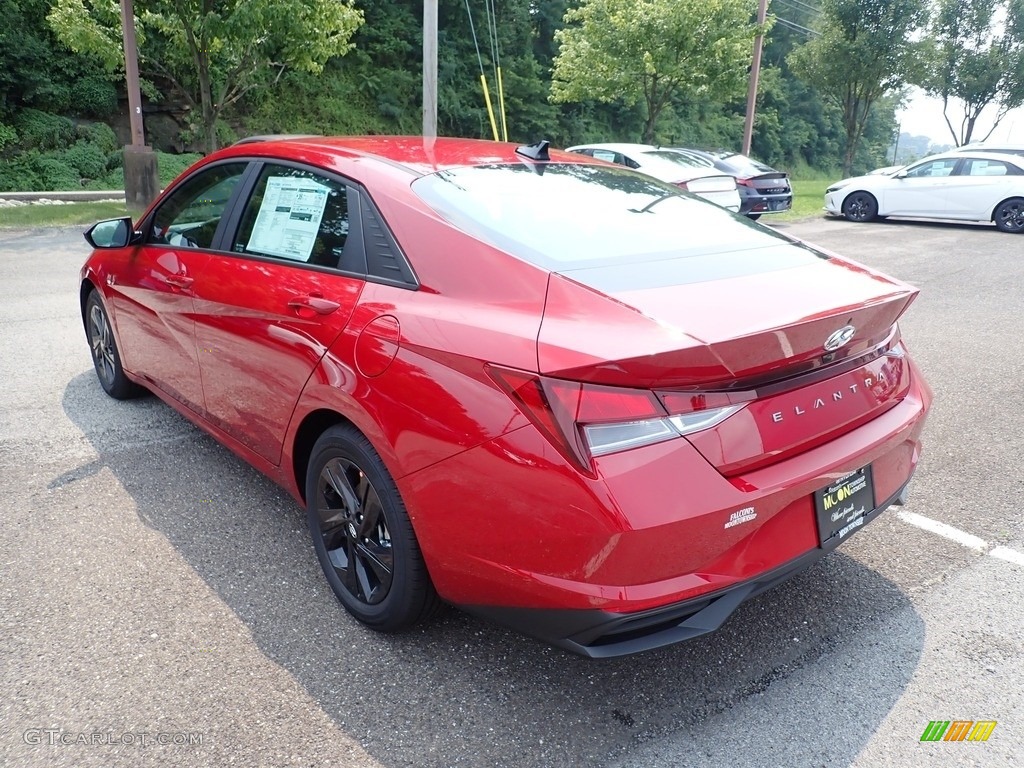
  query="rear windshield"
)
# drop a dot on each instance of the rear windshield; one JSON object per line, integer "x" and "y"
{"x": 567, "y": 215}
{"x": 678, "y": 157}
{"x": 742, "y": 165}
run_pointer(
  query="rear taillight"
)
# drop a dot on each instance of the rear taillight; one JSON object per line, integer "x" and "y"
{"x": 746, "y": 182}
{"x": 681, "y": 184}
{"x": 587, "y": 420}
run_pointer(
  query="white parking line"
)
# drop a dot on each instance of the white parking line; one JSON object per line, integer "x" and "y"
{"x": 961, "y": 537}
{"x": 1010, "y": 555}
{"x": 946, "y": 531}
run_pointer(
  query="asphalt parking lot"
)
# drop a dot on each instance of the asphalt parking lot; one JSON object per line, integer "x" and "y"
{"x": 156, "y": 589}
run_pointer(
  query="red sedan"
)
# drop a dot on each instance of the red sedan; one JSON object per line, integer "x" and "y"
{"x": 551, "y": 391}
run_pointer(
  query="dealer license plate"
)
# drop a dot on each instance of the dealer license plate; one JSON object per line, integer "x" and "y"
{"x": 843, "y": 506}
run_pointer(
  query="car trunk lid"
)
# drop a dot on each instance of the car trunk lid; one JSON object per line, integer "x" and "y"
{"x": 753, "y": 323}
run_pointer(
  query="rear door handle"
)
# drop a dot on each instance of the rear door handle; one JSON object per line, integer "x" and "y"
{"x": 318, "y": 304}
{"x": 179, "y": 280}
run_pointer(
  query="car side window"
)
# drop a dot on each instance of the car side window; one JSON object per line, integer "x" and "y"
{"x": 623, "y": 160}
{"x": 934, "y": 169}
{"x": 604, "y": 154}
{"x": 975, "y": 167}
{"x": 297, "y": 215}
{"x": 190, "y": 215}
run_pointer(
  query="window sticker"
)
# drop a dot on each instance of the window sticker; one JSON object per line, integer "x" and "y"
{"x": 289, "y": 217}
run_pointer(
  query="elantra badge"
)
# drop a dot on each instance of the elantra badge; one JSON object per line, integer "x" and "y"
{"x": 840, "y": 338}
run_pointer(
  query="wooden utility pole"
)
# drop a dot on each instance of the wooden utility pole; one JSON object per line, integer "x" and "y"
{"x": 141, "y": 181}
{"x": 429, "y": 68}
{"x": 755, "y": 72}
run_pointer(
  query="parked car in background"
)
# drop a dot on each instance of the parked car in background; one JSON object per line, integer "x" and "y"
{"x": 762, "y": 188}
{"x": 981, "y": 146}
{"x": 966, "y": 185}
{"x": 886, "y": 170}
{"x": 667, "y": 165}
{"x": 541, "y": 387}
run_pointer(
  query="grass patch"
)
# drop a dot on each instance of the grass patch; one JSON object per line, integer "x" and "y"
{"x": 808, "y": 200}
{"x": 60, "y": 215}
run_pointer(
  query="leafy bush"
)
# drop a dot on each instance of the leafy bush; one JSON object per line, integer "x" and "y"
{"x": 100, "y": 135}
{"x": 8, "y": 136}
{"x": 95, "y": 96}
{"x": 41, "y": 130}
{"x": 115, "y": 159}
{"x": 334, "y": 102}
{"x": 89, "y": 160}
{"x": 54, "y": 173}
{"x": 170, "y": 166}
{"x": 112, "y": 179}
{"x": 19, "y": 174}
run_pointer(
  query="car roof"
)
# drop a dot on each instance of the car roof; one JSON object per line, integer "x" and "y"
{"x": 981, "y": 146}
{"x": 415, "y": 154}
{"x": 960, "y": 154}
{"x": 621, "y": 148}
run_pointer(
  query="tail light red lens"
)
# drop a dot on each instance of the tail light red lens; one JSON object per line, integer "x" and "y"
{"x": 745, "y": 182}
{"x": 681, "y": 185}
{"x": 586, "y": 420}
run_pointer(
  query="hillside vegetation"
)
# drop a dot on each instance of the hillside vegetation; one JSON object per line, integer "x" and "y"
{"x": 624, "y": 70}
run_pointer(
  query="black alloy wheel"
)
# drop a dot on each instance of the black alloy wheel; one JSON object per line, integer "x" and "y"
{"x": 362, "y": 535}
{"x": 105, "y": 357}
{"x": 860, "y": 207}
{"x": 1009, "y": 215}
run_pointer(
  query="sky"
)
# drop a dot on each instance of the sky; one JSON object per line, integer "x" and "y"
{"x": 923, "y": 117}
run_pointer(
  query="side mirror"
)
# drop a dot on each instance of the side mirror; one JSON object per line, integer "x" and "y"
{"x": 900, "y": 175}
{"x": 113, "y": 233}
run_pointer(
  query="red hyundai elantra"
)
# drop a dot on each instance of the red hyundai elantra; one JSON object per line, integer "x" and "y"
{"x": 551, "y": 391}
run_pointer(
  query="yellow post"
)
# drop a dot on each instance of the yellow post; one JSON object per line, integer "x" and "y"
{"x": 490, "y": 109}
{"x": 501, "y": 103}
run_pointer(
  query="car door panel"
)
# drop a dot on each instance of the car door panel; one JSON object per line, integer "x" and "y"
{"x": 979, "y": 185}
{"x": 923, "y": 191}
{"x": 261, "y": 330}
{"x": 153, "y": 303}
{"x": 914, "y": 197}
{"x": 263, "y": 322}
{"x": 152, "y": 297}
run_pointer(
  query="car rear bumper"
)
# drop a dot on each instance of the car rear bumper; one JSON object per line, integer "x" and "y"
{"x": 632, "y": 559}
{"x": 753, "y": 202}
{"x": 600, "y": 634}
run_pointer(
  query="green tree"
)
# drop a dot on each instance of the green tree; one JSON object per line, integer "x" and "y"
{"x": 38, "y": 71}
{"x": 976, "y": 59}
{"x": 864, "y": 51}
{"x": 654, "y": 51}
{"x": 213, "y": 51}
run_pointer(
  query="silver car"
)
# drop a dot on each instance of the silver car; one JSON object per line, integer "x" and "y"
{"x": 675, "y": 168}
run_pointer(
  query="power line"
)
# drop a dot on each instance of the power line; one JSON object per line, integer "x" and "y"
{"x": 802, "y": 6}
{"x": 796, "y": 27}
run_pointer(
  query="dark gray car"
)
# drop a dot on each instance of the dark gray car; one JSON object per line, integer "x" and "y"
{"x": 762, "y": 188}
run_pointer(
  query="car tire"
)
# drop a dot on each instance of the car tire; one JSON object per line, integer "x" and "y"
{"x": 1009, "y": 215}
{"x": 860, "y": 207}
{"x": 362, "y": 534}
{"x": 753, "y": 216}
{"x": 105, "y": 356}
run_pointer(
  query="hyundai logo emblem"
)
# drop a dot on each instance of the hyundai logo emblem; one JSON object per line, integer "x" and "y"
{"x": 840, "y": 338}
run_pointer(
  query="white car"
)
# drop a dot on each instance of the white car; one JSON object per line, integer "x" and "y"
{"x": 981, "y": 146}
{"x": 962, "y": 185}
{"x": 887, "y": 170}
{"x": 691, "y": 174}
